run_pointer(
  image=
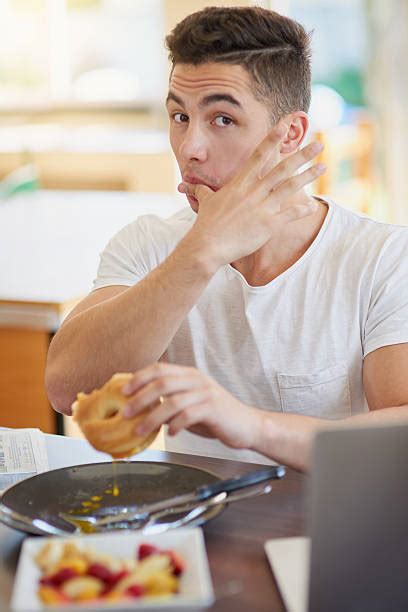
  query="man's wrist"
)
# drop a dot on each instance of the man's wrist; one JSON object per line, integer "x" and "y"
{"x": 200, "y": 254}
{"x": 258, "y": 429}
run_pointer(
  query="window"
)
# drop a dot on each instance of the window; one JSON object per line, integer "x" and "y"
{"x": 79, "y": 52}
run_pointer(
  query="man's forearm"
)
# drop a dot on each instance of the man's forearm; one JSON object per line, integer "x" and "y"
{"x": 128, "y": 331}
{"x": 288, "y": 438}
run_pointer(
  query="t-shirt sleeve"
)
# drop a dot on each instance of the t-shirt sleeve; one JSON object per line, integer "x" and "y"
{"x": 387, "y": 320}
{"x": 126, "y": 258}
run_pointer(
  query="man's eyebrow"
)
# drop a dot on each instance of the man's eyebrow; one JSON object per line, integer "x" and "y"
{"x": 211, "y": 99}
{"x": 172, "y": 97}
{"x": 219, "y": 97}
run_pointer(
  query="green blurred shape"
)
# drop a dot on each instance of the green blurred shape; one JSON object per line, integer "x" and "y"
{"x": 349, "y": 83}
{"x": 24, "y": 178}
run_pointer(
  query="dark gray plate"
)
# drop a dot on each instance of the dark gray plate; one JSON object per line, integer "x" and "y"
{"x": 139, "y": 482}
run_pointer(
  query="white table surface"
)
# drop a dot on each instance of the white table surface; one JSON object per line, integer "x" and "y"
{"x": 50, "y": 242}
{"x": 63, "y": 451}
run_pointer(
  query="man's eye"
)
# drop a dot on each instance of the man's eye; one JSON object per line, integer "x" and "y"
{"x": 222, "y": 121}
{"x": 180, "y": 118}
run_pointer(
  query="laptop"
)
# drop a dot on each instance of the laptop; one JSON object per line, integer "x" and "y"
{"x": 356, "y": 558}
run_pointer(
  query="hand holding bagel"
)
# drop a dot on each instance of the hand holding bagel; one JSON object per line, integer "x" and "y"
{"x": 99, "y": 415}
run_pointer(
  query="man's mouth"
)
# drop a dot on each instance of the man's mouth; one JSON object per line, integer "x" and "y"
{"x": 196, "y": 180}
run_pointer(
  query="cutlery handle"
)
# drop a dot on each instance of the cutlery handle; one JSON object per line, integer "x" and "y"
{"x": 240, "y": 482}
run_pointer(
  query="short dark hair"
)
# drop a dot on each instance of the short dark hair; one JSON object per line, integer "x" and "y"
{"x": 274, "y": 49}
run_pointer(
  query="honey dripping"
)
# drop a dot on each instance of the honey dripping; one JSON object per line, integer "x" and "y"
{"x": 93, "y": 503}
{"x": 115, "y": 488}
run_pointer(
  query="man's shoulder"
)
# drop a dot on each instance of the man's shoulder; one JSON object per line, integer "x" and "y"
{"x": 151, "y": 229}
{"x": 362, "y": 229}
{"x": 177, "y": 222}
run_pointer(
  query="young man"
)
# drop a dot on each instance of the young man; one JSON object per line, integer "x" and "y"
{"x": 256, "y": 315}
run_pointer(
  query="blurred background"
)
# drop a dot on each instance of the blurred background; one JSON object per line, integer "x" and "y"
{"x": 84, "y": 147}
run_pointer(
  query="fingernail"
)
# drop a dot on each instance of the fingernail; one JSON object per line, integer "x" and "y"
{"x": 127, "y": 411}
{"x": 320, "y": 167}
{"x": 141, "y": 429}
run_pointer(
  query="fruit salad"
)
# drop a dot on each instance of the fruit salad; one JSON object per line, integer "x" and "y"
{"x": 72, "y": 573}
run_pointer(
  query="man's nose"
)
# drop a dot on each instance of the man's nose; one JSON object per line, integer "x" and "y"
{"x": 194, "y": 145}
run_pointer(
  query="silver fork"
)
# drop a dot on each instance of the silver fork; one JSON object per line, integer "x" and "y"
{"x": 152, "y": 527}
{"x": 149, "y": 524}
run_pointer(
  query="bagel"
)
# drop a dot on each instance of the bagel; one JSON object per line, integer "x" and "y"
{"x": 99, "y": 416}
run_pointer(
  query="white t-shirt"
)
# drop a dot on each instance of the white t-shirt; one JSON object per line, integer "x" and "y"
{"x": 295, "y": 345}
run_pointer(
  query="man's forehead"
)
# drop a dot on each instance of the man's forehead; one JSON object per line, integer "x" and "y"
{"x": 187, "y": 77}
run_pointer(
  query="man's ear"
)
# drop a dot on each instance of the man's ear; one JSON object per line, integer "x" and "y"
{"x": 298, "y": 126}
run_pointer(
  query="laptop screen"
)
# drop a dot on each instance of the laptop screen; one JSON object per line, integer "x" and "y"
{"x": 358, "y": 523}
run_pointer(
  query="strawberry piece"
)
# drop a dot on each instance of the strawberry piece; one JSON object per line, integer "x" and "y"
{"x": 118, "y": 576}
{"x": 177, "y": 563}
{"x": 135, "y": 590}
{"x": 97, "y": 570}
{"x": 114, "y": 579}
{"x": 145, "y": 550}
{"x": 46, "y": 581}
{"x": 64, "y": 574}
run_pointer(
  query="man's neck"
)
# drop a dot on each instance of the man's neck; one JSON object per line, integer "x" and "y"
{"x": 283, "y": 250}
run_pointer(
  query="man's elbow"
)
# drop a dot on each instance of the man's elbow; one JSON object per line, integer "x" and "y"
{"x": 58, "y": 392}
